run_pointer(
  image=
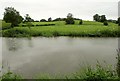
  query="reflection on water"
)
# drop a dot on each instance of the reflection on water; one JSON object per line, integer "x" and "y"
{"x": 15, "y": 44}
{"x": 30, "y": 56}
{"x": 12, "y": 44}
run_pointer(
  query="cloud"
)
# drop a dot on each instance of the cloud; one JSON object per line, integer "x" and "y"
{"x": 39, "y": 9}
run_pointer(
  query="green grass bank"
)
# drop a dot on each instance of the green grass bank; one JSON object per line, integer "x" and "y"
{"x": 88, "y": 29}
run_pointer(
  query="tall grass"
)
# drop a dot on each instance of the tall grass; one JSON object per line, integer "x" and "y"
{"x": 98, "y": 73}
{"x": 10, "y": 76}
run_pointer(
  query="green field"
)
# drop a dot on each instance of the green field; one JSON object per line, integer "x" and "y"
{"x": 88, "y": 29}
{"x": 4, "y": 25}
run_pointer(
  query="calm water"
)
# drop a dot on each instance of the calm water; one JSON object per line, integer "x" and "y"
{"x": 31, "y": 56}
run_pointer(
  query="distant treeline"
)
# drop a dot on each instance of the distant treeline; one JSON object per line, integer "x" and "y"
{"x": 12, "y": 16}
{"x": 38, "y": 25}
{"x": 102, "y": 18}
{"x": 57, "y": 19}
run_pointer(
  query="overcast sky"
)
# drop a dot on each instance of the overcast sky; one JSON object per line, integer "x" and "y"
{"x": 84, "y": 9}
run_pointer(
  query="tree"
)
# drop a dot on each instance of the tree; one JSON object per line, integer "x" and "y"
{"x": 43, "y": 20}
{"x": 81, "y": 22}
{"x": 28, "y": 20}
{"x": 49, "y": 19}
{"x": 96, "y": 17}
{"x": 70, "y": 19}
{"x": 103, "y": 18}
{"x": 118, "y": 21}
{"x": 12, "y": 16}
{"x": 99, "y": 18}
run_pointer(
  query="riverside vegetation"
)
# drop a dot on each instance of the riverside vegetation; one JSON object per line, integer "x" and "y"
{"x": 59, "y": 28}
{"x": 14, "y": 25}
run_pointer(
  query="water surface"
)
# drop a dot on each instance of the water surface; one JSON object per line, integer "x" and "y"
{"x": 31, "y": 56}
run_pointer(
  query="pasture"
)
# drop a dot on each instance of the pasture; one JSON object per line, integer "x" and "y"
{"x": 59, "y": 28}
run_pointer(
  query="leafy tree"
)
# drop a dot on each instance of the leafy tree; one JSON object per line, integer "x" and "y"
{"x": 96, "y": 17}
{"x": 81, "y": 22}
{"x": 103, "y": 18}
{"x": 118, "y": 21}
{"x": 43, "y": 20}
{"x": 28, "y": 20}
{"x": 49, "y": 19}
{"x": 99, "y": 18}
{"x": 70, "y": 19}
{"x": 12, "y": 16}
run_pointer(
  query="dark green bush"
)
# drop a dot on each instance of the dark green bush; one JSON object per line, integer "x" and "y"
{"x": 105, "y": 23}
{"x": 81, "y": 22}
{"x": 70, "y": 19}
{"x": 16, "y": 33}
{"x": 37, "y": 25}
{"x": 23, "y": 25}
{"x": 32, "y": 25}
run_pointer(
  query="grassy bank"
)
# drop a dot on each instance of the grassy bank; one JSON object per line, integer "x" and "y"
{"x": 4, "y": 25}
{"x": 88, "y": 29}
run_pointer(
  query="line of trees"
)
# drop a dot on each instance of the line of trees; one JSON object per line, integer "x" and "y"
{"x": 103, "y": 19}
{"x": 12, "y": 16}
{"x": 99, "y": 18}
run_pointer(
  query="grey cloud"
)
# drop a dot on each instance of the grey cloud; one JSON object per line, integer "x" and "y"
{"x": 39, "y": 9}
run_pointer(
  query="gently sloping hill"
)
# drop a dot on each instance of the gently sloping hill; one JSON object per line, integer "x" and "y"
{"x": 66, "y": 30}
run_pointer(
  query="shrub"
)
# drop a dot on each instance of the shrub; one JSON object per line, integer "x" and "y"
{"x": 16, "y": 33}
{"x": 81, "y": 22}
{"x": 49, "y": 19}
{"x": 23, "y": 25}
{"x": 118, "y": 21}
{"x": 37, "y": 25}
{"x": 105, "y": 23}
{"x": 11, "y": 77}
{"x": 99, "y": 73}
{"x": 32, "y": 25}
